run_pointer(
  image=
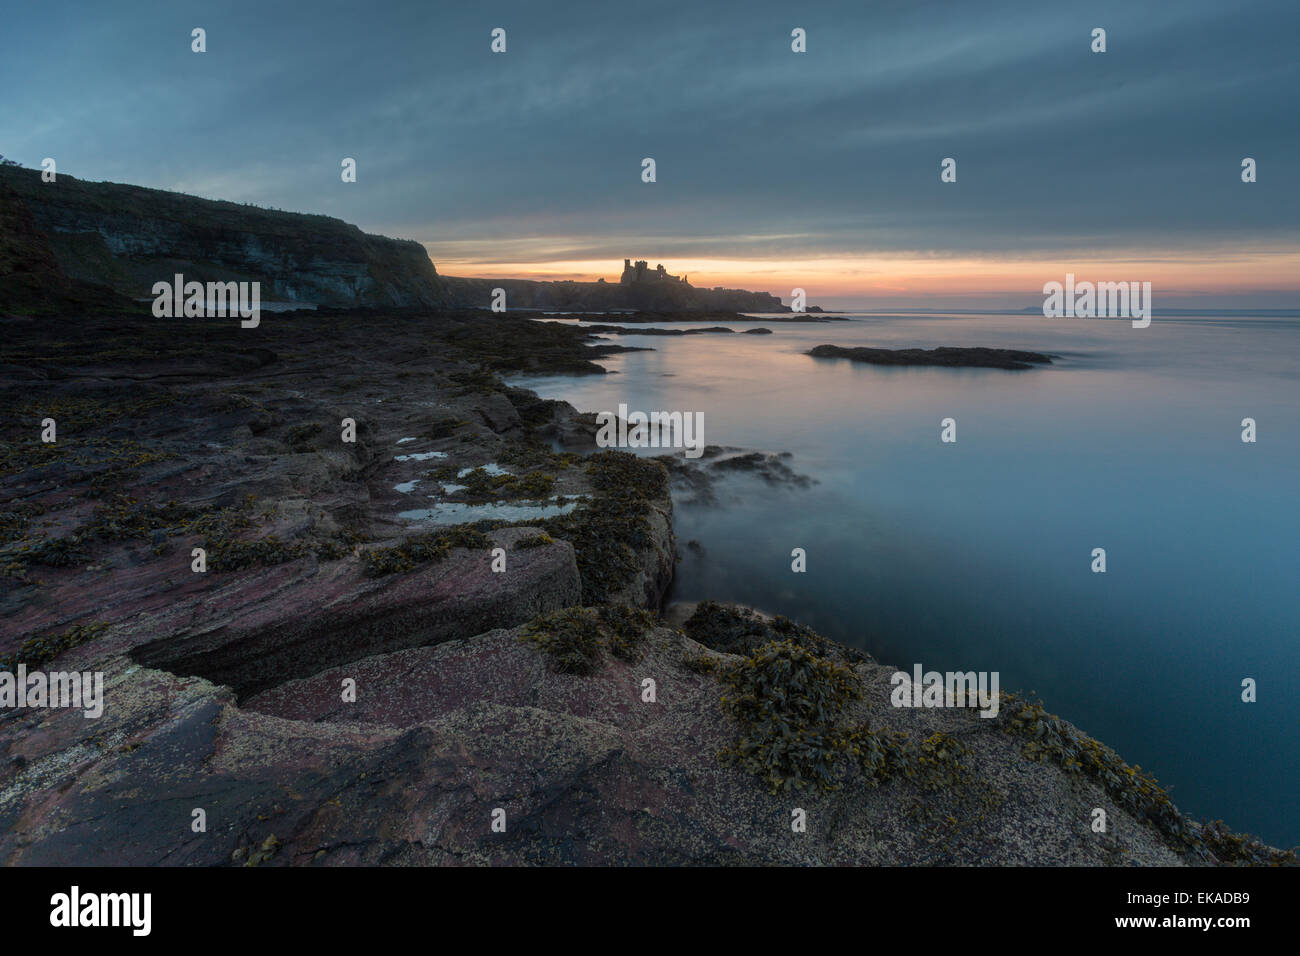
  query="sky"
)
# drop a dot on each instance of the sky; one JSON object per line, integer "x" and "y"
{"x": 774, "y": 169}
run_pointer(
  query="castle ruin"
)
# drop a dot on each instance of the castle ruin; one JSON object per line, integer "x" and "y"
{"x": 639, "y": 272}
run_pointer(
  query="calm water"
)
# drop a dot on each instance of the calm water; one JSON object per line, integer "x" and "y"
{"x": 976, "y": 555}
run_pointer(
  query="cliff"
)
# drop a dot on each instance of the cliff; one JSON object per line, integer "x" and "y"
{"x": 31, "y": 282}
{"x": 96, "y": 237}
{"x": 129, "y": 237}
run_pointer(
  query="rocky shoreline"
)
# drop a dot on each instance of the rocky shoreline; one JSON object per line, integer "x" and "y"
{"x": 345, "y": 684}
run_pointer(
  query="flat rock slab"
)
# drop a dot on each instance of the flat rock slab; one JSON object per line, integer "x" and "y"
{"x": 585, "y": 769}
{"x": 287, "y": 623}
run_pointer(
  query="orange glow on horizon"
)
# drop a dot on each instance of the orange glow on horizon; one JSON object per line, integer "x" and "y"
{"x": 1173, "y": 273}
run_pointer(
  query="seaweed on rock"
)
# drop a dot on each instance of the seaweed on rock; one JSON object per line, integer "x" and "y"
{"x": 1047, "y": 737}
{"x": 789, "y": 704}
{"x": 739, "y": 630}
{"x": 423, "y": 548}
{"x": 611, "y": 529}
{"x": 38, "y": 651}
{"x": 574, "y": 639}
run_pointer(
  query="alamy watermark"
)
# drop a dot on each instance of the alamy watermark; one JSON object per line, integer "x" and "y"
{"x": 62, "y": 689}
{"x": 76, "y": 909}
{"x": 953, "y": 689}
{"x": 195, "y": 300}
{"x": 626, "y": 429}
{"x": 1086, "y": 300}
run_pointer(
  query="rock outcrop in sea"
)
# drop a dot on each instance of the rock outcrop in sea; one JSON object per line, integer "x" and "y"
{"x": 944, "y": 357}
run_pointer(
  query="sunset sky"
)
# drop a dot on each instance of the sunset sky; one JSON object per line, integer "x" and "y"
{"x": 775, "y": 169}
{"x": 1231, "y": 278}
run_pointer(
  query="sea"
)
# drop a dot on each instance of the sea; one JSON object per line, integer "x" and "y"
{"x": 979, "y": 554}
